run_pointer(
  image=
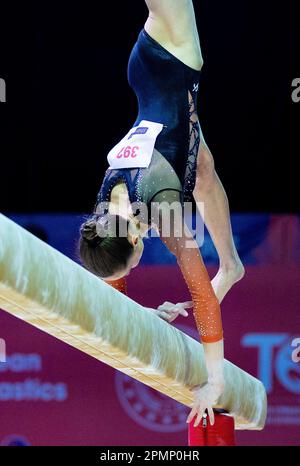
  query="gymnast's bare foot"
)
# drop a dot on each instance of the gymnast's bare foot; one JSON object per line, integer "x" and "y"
{"x": 226, "y": 277}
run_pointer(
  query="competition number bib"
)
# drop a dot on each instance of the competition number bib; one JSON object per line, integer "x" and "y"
{"x": 136, "y": 148}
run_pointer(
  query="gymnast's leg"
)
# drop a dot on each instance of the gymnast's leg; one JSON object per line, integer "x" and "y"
{"x": 172, "y": 23}
{"x": 210, "y": 191}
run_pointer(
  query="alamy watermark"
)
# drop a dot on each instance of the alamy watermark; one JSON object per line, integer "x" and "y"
{"x": 168, "y": 219}
{"x": 2, "y": 90}
{"x": 296, "y": 91}
{"x": 2, "y": 350}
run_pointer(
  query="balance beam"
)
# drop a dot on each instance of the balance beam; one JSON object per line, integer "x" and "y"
{"x": 43, "y": 287}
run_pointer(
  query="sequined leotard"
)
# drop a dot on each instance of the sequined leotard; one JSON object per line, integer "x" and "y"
{"x": 166, "y": 90}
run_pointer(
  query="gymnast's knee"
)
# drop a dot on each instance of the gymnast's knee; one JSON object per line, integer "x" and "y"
{"x": 206, "y": 174}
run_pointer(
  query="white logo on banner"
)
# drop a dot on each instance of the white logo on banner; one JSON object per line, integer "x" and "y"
{"x": 150, "y": 408}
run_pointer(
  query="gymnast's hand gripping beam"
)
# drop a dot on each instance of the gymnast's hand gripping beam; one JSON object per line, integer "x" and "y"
{"x": 43, "y": 287}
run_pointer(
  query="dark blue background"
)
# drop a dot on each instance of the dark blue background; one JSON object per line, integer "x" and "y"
{"x": 68, "y": 100}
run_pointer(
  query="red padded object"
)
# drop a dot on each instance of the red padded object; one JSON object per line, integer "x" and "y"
{"x": 218, "y": 435}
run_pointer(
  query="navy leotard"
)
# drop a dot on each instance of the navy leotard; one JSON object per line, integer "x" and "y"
{"x": 166, "y": 90}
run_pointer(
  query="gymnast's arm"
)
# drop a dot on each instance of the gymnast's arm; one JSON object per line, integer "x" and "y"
{"x": 119, "y": 284}
{"x": 206, "y": 308}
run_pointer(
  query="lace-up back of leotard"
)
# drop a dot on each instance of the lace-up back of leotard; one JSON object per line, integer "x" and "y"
{"x": 166, "y": 91}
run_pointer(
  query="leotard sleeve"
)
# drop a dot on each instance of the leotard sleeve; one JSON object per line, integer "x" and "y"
{"x": 206, "y": 307}
{"x": 119, "y": 284}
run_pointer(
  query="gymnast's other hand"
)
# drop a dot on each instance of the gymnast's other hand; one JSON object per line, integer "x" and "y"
{"x": 169, "y": 311}
{"x": 206, "y": 396}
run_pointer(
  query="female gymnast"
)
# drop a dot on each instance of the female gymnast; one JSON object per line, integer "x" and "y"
{"x": 160, "y": 164}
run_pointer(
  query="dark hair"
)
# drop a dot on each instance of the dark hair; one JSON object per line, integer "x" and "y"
{"x": 101, "y": 250}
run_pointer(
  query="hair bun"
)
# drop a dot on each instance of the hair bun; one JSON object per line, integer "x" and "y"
{"x": 102, "y": 226}
{"x": 88, "y": 232}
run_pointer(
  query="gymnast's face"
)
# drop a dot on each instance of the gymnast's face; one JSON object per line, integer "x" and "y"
{"x": 134, "y": 237}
